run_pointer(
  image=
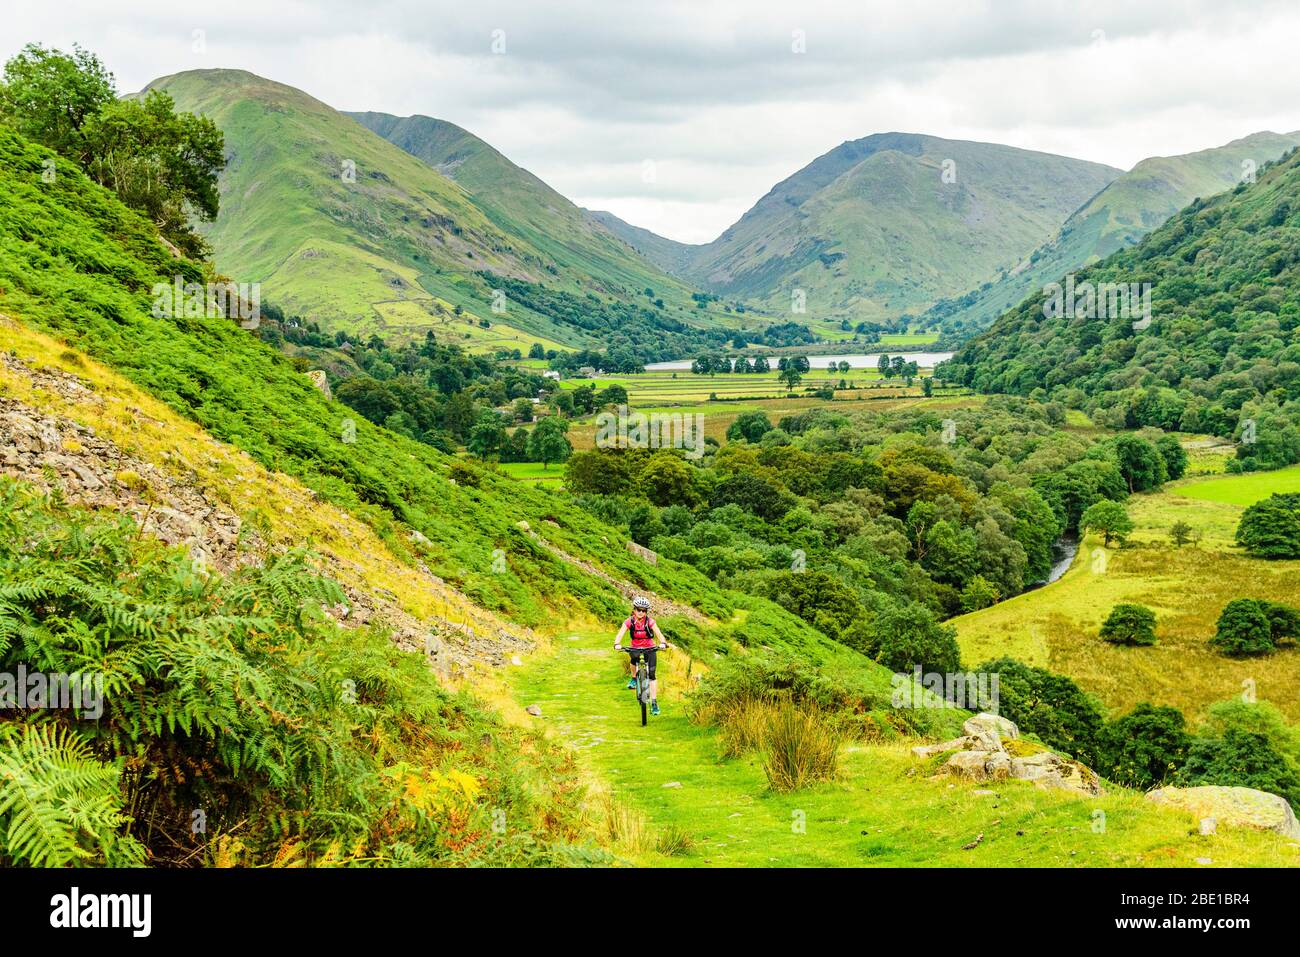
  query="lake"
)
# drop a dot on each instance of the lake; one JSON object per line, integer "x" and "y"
{"x": 926, "y": 360}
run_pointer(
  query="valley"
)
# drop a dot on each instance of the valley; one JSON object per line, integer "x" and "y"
{"x": 351, "y": 572}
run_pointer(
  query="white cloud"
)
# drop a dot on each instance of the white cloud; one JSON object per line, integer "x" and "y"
{"x": 585, "y": 93}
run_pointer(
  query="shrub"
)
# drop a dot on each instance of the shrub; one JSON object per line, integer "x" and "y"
{"x": 1129, "y": 624}
{"x": 908, "y": 636}
{"x": 767, "y": 677}
{"x": 1242, "y": 759}
{"x": 1283, "y": 622}
{"x": 1049, "y": 706}
{"x": 1144, "y": 748}
{"x": 462, "y": 474}
{"x": 1244, "y": 629}
{"x": 1271, "y": 528}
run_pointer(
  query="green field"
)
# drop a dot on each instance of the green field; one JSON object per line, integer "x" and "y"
{"x": 1245, "y": 489}
{"x": 663, "y": 387}
{"x": 552, "y": 475}
{"x": 719, "y": 415}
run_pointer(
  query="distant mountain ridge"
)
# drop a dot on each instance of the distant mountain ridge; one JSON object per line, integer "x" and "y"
{"x": 668, "y": 254}
{"x": 343, "y": 227}
{"x": 884, "y": 225}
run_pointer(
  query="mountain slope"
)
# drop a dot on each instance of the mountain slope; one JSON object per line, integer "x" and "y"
{"x": 871, "y": 229}
{"x": 341, "y": 226}
{"x": 1118, "y": 216}
{"x": 520, "y": 204}
{"x": 1220, "y": 354}
{"x": 668, "y": 254}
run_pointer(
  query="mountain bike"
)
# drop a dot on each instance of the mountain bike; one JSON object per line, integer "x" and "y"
{"x": 643, "y": 679}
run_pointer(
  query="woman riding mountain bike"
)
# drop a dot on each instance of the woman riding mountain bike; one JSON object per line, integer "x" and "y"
{"x": 647, "y": 640}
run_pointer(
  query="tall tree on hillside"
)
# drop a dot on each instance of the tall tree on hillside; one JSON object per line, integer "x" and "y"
{"x": 1109, "y": 518}
{"x": 160, "y": 162}
{"x": 548, "y": 443}
{"x": 49, "y": 96}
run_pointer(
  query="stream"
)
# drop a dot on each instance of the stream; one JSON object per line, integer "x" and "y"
{"x": 1063, "y": 551}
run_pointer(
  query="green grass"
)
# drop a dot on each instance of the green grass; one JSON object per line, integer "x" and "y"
{"x": 876, "y": 814}
{"x": 1245, "y": 489}
{"x": 552, "y": 475}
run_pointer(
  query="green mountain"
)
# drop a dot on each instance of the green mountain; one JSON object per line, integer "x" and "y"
{"x": 227, "y": 666}
{"x": 1118, "y": 216}
{"x": 1219, "y": 354}
{"x": 342, "y": 227}
{"x": 520, "y": 204}
{"x": 886, "y": 225}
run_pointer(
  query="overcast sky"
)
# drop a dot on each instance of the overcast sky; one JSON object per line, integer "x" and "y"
{"x": 679, "y": 116}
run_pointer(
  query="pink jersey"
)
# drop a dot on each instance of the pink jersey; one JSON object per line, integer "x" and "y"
{"x": 643, "y": 636}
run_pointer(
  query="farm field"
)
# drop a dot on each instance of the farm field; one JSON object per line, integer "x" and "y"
{"x": 1057, "y": 626}
{"x": 473, "y": 338}
{"x": 1244, "y": 489}
{"x": 664, "y": 387}
{"x": 831, "y": 332}
{"x": 718, "y": 416}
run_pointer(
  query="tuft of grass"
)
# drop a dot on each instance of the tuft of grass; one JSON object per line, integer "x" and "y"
{"x": 673, "y": 840}
{"x": 626, "y": 828}
{"x": 743, "y": 725}
{"x": 802, "y": 748}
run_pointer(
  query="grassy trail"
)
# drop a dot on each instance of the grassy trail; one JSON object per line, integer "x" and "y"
{"x": 879, "y": 813}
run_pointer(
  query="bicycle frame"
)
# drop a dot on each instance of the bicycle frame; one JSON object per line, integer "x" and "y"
{"x": 642, "y": 682}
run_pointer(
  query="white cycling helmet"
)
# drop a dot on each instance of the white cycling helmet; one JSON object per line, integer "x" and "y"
{"x": 641, "y": 603}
